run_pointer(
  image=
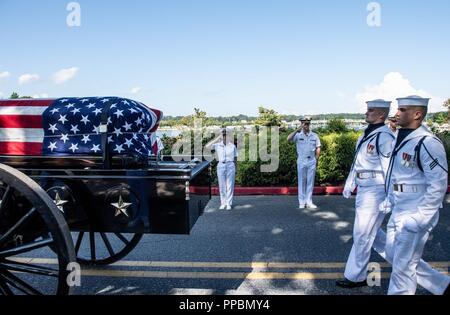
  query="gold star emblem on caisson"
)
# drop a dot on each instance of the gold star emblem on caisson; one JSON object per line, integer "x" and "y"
{"x": 59, "y": 202}
{"x": 121, "y": 207}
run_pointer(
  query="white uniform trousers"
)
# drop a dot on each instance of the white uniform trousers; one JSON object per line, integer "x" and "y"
{"x": 226, "y": 173}
{"x": 366, "y": 231}
{"x": 306, "y": 171}
{"x": 404, "y": 249}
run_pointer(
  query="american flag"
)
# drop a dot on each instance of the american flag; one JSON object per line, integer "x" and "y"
{"x": 71, "y": 126}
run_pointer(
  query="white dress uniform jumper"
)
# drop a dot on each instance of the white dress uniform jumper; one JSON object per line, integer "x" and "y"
{"x": 417, "y": 182}
{"x": 307, "y": 145}
{"x": 368, "y": 175}
{"x": 226, "y": 171}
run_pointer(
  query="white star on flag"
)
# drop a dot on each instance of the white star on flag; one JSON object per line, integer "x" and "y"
{"x": 117, "y": 132}
{"x": 86, "y": 139}
{"x": 96, "y": 148}
{"x": 85, "y": 119}
{"x": 119, "y": 148}
{"x": 74, "y": 129}
{"x": 129, "y": 142}
{"x": 127, "y": 126}
{"x": 96, "y": 129}
{"x": 97, "y": 111}
{"x": 52, "y": 146}
{"x": 119, "y": 113}
{"x": 53, "y": 128}
{"x": 62, "y": 119}
{"x": 76, "y": 110}
{"x": 74, "y": 147}
{"x": 64, "y": 138}
{"x": 55, "y": 110}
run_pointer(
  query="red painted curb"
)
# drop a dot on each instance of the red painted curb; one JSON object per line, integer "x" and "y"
{"x": 282, "y": 191}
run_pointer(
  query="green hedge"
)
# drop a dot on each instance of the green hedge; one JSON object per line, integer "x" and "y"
{"x": 333, "y": 166}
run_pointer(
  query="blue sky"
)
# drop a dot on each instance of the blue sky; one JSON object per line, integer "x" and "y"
{"x": 228, "y": 57}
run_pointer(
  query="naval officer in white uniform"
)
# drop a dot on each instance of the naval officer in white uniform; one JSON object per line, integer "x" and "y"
{"x": 368, "y": 173}
{"x": 416, "y": 184}
{"x": 227, "y": 154}
{"x": 308, "y": 152}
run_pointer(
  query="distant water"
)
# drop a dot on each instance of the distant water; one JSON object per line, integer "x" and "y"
{"x": 168, "y": 133}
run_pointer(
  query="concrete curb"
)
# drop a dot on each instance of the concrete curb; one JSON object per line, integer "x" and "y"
{"x": 273, "y": 191}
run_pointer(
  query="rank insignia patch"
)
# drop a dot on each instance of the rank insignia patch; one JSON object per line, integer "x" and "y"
{"x": 370, "y": 148}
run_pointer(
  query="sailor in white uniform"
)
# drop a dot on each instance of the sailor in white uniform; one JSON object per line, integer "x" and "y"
{"x": 416, "y": 184}
{"x": 227, "y": 155}
{"x": 367, "y": 173}
{"x": 308, "y": 152}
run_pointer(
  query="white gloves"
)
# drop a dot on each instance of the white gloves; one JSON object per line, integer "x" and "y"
{"x": 347, "y": 193}
{"x": 386, "y": 206}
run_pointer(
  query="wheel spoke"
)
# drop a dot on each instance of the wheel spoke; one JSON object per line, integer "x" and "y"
{"x": 4, "y": 288}
{"x": 19, "y": 284}
{"x": 28, "y": 268}
{"x": 92, "y": 242}
{"x": 122, "y": 238}
{"x": 108, "y": 244}
{"x": 6, "y": 196}
{"x": 79, "y": 240}
{"x": 25, "y": 248}
{"x": 16, "y": 226}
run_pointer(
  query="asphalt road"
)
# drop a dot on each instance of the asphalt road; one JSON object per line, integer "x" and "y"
{"x": 264, "y": 246}
{"x": 216, "y": 258}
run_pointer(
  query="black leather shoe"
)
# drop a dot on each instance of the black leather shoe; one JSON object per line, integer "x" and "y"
{"x": 345, "y": 283}
{"x": 447, "y": 291}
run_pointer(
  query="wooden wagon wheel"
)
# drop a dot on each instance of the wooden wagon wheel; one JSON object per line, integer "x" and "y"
{"x": 103, "y": 248}
{"x": 35, "y": 243}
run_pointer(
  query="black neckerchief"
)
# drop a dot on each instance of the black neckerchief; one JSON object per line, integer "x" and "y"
{"x": 371, "y": 128}
{"x": 402, "y": 134}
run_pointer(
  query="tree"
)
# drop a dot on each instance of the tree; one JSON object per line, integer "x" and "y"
{"x": 268, "y": 117}
{"x": 447, "y": 104}
{"x": 198, "y": 115}
{"x": 15, "y": 96}
{"x": 336, "y": 125}
{"x": 440, "y": 118}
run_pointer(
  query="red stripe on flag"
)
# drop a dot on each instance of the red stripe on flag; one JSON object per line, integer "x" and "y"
{"x": 20, "y": 148}
{"x": 20, "y": 121}
{"x": 26, "y": 102}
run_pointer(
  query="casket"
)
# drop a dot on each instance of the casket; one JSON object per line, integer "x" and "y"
{"x": 75, "y": 127}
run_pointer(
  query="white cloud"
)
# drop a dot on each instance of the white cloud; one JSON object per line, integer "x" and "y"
{"x": 64, "y": 75}
{"x": 28, "y": 78}
{"x": 136, "y": 90}
{"x": 1, "y": 94}
{"x": 43, "y": 95}
{"x": 4, "y": 74}
{"x": 393, "y": 86}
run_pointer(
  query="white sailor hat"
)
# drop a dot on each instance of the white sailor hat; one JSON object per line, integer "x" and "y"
{"x": 305, "y": 118}
{"x": 413, "y": 100}
{"x": 378, "y": 104}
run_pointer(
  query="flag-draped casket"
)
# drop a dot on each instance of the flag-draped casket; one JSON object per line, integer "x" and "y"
{"x": 74, "y": 126}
